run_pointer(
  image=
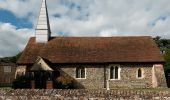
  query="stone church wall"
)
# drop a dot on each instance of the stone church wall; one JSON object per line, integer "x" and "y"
{"x": 97, "y": 76}
{"x": 94, "y": 76}
{"x": 129, "y": 78}
{"x": 160, "y": 76}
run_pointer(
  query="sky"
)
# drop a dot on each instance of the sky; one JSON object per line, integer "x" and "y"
{"x": 18, "y": 19}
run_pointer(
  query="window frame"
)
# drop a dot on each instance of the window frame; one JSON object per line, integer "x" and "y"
{"x": 142, "y": 73}
{"x": 81, "y": 73}
{"x": 118, "y": 74}
{"x": 7, "y": 69}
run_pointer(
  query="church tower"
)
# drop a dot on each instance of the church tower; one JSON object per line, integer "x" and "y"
{"x": 43, "y": 31}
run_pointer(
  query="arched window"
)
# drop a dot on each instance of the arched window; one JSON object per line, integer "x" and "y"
{"x": 139, "y": 73}
{"x": 114, "y": 72}
{"x": 80, "y": 72}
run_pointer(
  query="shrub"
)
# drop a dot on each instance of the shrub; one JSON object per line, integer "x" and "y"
{"x": 21, "y": 82}
{"x": 64, "y": 83}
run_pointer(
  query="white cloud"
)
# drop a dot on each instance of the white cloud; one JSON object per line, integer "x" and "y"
{"x": 90, "y": 18}
{"x": 108, "y": 32}
{"x": 117, "y": 17}
{"x": 12, "y": 40}
{"x": 22, "y": 8}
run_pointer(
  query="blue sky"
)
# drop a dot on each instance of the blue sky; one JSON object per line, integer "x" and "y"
{"x": 18, "y": 19}
{"x": 9, "y": 17}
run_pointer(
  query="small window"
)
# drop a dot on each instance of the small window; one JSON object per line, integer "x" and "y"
{"x": 114, "y": 72}
{"x": 139, "y": 73}
{"x": 80, "y": 72}
{"x": 7, "y": 68}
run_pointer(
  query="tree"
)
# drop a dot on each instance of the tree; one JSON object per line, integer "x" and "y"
{"x": 167, "y": 59}
{"x": 11, "y": 59}
{"x": 157, "y": 40}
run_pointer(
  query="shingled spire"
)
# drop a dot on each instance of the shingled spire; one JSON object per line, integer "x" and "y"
{"x": 43, "y": 31}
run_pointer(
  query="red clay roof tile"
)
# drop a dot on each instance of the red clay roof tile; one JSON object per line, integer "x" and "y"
{"x": 93, "y": 50}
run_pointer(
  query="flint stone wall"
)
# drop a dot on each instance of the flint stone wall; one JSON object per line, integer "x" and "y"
{"x": 123, "y": 94}
{"x": 160, "y": 76}
{"x": 97, "y": 76}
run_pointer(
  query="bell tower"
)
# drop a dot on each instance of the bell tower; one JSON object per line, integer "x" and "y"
{"x": 43, "y": 31}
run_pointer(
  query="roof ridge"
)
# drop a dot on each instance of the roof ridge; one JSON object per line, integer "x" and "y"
{"x": 96, "y": 37}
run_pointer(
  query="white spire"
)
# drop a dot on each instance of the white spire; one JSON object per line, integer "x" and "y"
{"x": 43, "y": 31}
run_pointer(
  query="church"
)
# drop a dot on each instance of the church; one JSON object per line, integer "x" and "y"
{"x": 90, "y": 62}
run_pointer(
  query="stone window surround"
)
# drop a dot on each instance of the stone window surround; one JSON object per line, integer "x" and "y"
{"x": 142, "y": 70}
{"x": 76, "y": 72}
{"x": 119, "y": 70}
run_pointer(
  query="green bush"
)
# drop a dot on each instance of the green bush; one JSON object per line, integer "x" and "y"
{"x": 21, "y": 82}
{"x": 167, "y": 60}
{"x": 64, "y": 83}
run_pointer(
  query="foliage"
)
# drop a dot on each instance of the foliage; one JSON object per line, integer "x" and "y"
{"x": 64, "y": 82}
{"x": 163, "y": 44}
{"x": 167, "y": 59}
{"x": 11, "y": 59}
{"x": 21, "y": 82}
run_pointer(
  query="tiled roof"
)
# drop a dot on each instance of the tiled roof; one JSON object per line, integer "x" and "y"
{"x": 93, "y": 50}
